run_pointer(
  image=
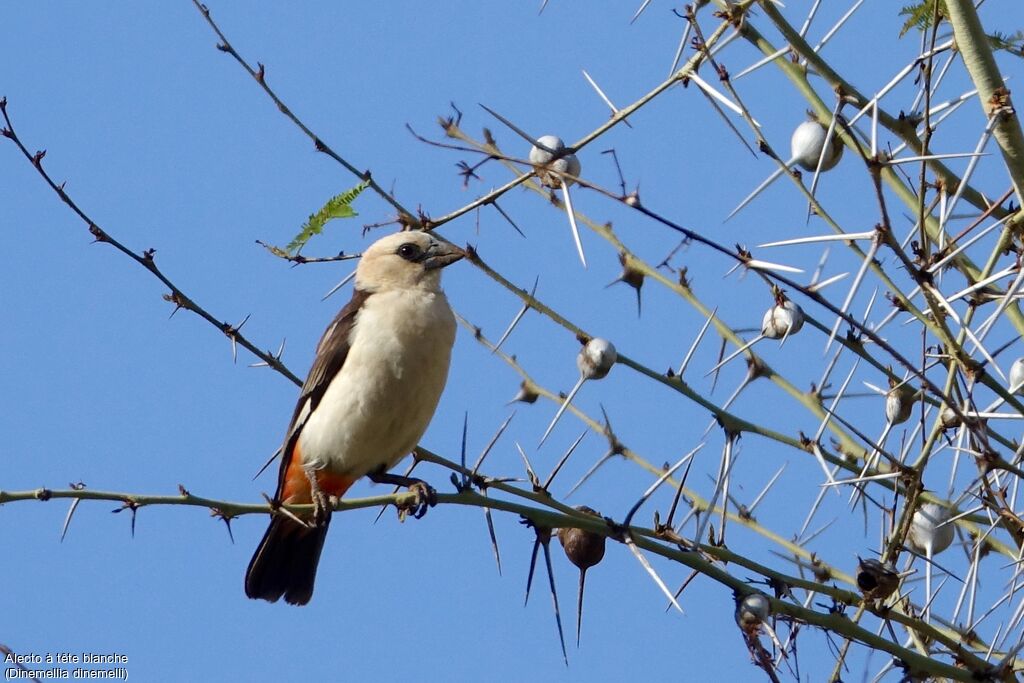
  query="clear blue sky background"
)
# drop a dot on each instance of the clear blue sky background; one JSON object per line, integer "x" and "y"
{"x": 166, "y": 143}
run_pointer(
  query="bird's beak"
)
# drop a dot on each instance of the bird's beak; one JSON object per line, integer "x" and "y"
{"x": 442, "y": 255}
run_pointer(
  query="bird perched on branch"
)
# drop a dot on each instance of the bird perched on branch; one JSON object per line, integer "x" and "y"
{"x": 378, "y": 374}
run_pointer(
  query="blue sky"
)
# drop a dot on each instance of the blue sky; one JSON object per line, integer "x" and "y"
{"x": 167, "y": 144}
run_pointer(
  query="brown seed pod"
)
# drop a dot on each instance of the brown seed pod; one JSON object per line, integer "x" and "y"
{"x": 526, "y": 394}
{"x": 877, "y": 581}
{"x": 630, "y": 276}
{"x": 584, "y": 549}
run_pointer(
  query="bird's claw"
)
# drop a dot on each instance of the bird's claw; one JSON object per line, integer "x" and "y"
{"x": 426, "y": 498}
{"x": 323, "y": 505}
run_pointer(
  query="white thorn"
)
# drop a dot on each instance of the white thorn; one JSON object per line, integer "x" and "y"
{"x": 706, "y": 87}
{"x": 825, "y": 283}
{"x": 679, "y": 50}
{"x": 640, "y": 11}
{"x": 735, "y": 353}
{"x": 839, "y": 24}
{"x": 758, "y": 264}
{"x": 693, "y": 347}
{"x": 868, "y": 258}
{"x": 561, "y": 409}
{"x": 936, "y": 157}
{"x": 631, "y": 544}
{"x": 760, "y": 188}
{"x": 874, "y": 130}
{"x": 600, "y": 93}
{"x": 338, "y": 286}
{"x": 761, "y": 62}
{"x": 842, "y": 237}
{"x": 572, "y": 221}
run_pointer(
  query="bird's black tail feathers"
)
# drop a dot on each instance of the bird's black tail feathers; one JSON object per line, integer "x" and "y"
{"x": 285, "y": 562}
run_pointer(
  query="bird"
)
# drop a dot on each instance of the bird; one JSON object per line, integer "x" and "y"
{"x": 376, "y": 380}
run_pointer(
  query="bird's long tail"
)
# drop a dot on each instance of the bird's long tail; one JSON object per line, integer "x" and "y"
{"x": 285, "y": 562}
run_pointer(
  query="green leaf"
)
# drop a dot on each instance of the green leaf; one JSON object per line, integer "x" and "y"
{"x": 920, "y": 15}
{"x": 339, "y": 206}
{"x": 1012, "y": 42}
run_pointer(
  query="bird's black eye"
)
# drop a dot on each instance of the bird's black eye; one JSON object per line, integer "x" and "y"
{"x": 409, "y": 251}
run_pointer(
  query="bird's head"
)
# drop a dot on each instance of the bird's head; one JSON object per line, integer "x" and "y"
{"x": 405, "y": 260}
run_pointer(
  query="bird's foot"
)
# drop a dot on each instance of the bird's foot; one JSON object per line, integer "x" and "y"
{"x": 322, "y": 504}
{"x": 426, "y": 496}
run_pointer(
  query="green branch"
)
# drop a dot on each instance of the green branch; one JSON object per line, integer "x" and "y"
{"x": 973, "y": 45}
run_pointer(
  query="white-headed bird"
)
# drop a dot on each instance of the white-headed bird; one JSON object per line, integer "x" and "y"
{"x": 378, "y": 374}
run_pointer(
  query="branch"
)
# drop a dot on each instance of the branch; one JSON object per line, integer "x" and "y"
{"x": 973, "y": 45}
{"x": 405, "y": 217}
{"x": 146, "y": 259}
{"x": 644, "y": 538}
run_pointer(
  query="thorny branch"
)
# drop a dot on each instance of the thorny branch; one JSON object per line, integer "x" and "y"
{"x": 146, "y": 259}
{"x": 962, "y": 372}
{"x": 557, "y": 516}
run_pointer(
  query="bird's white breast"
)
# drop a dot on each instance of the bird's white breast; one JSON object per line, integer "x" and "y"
{"x": 378, "y": 406}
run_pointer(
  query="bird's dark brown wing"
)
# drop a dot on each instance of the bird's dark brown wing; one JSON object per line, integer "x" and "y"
{"x": 331, "y": 353}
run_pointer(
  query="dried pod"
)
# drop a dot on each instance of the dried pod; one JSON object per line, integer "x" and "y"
{"x": 876, "y": 580}
{"x": 806, "y": 145}
{"x": 526, "y": 394}
{"x": 551, "y": 171}
{"x": 782, "y": 320}
{"x": 1017, "y": 376}
{"x": 752, "y": 610}
{"x": 631, "y": 276}
{"x": 929, "y": 532}
{"x": 584, "y": 549}
{"x": 596, "y": 358}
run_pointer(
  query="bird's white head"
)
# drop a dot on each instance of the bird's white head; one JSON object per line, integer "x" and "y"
{"x": 405, "y": 260}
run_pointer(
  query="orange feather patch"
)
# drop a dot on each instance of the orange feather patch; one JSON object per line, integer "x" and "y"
{"x": 295, "y": 489}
